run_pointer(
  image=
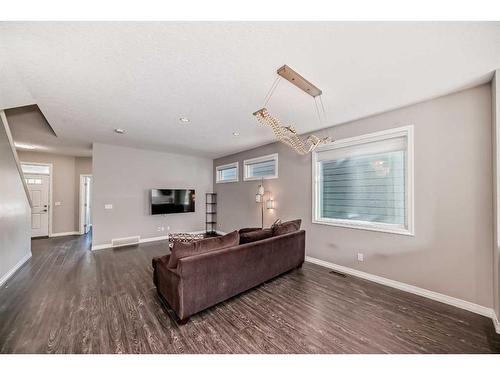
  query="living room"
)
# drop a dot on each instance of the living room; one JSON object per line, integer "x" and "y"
{"x": 183, "y": 187}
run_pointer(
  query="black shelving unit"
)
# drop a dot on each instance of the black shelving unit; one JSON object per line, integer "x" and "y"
{"x": 211, "y": 214}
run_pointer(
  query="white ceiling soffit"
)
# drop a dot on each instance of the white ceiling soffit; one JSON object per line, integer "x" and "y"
{"x": 89, "y": 78}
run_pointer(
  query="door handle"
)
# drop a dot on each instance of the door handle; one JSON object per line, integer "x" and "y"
{"x": 44, "y": 210}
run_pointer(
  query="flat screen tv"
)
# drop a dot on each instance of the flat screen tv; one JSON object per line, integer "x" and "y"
{"x": 171, "y": 201}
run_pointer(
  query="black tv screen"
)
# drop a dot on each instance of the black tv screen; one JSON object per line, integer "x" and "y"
{"x": 171, "y": 201}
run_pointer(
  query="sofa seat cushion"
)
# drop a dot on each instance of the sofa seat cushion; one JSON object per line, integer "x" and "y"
{"x": 184, "y": 250}
{"x": 287, "y": 227}
{"x": 255, "y": 235}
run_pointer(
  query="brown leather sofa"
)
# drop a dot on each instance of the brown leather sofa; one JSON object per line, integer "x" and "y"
{"x": 202, "y": 280}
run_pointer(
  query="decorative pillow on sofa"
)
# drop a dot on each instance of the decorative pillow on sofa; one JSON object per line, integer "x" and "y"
{"x": 246, "y": 230}
{"x": 255, "y": 235}
{"x": 183, "y": 250}
{"x": 287, "y": 227}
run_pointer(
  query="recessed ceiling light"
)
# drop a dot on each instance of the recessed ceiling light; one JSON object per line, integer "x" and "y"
{"x": 183, "y": 119}
{"x": 236, "y": 134}
{"x": 24, "y": 146}
{"x": 119, "y": 130}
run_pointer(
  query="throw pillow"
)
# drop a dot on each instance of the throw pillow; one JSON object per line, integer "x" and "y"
{"x": 255, "y": 235}
{"x": 287, "y": 227}
{"x": 246, "y": 230}
{"x": 183, "y": 250}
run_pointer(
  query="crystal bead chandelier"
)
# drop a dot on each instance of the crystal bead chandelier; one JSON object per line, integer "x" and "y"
{"x": 287, "y": 134}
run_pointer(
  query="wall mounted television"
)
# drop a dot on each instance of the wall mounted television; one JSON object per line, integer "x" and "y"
{"x": 172, "y": 201}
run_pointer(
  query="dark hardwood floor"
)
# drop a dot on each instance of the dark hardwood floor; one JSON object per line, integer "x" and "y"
{"x": 67, "y": 299}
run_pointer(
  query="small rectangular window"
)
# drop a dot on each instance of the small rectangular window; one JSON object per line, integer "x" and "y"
{"x": 227, "y": 173}
{"x": 366, "y": 182}
{"x": 35, "y": 168}
{"x": 264, "y": 167}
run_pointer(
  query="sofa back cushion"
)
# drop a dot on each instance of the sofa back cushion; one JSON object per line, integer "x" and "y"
{"x": 183, "y": 250}
{"x": 287, "y": 227}
{"x": 255, "y": 235}
{"x": 246, "y": 230}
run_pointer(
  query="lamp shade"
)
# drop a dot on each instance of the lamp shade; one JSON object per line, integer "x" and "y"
{"x": 270, "y": 204}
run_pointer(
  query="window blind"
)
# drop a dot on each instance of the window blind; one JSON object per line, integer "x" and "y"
{"x": 228, "y": 174}
{"x": 364, "y": 182}
{"x": 262, "y": 168}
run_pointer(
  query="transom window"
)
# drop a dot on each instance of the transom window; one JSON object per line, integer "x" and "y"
{"x": 264, "y": 167}
{"x": 366, "y": 182}
{"x": 227, "y": 173}
{"x": 35, "y": 168}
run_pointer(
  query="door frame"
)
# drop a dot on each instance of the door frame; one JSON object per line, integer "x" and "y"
{"x": 50, "y": 188}
{"x": 81, "y": 201}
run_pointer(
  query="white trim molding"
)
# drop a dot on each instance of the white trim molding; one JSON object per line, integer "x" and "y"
{"x": 13, "y": 270}
{"x": 220, "y": 168}
{"x": 465, "y": 305}
{"x": 62, "y": 234}
{"x": 496, "y": 323}
{"x": 248, "y": 162}
{"x": 389, "y": 136}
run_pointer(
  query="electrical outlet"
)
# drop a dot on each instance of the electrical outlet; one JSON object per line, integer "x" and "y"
{"x": 360, "y": 257}
{"x": 168, "y": 227}
{"x": 158, "y": 229}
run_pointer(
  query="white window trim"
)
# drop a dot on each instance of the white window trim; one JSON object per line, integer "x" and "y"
{"x": 406, "y": 131}
{"x": 247, "y": 162}
{"x": 227, "y": 166}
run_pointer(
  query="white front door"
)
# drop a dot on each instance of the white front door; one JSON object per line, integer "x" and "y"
{"x": 38, "y": 186}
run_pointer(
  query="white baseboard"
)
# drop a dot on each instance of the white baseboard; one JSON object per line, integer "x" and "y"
{"x": 496, "y": 323}
{"x": 150, "y": 239}
{"x": 469, "y": 306}
{"x": 13, "y": 270}
{"x": 61, "y": 234}
{"x": 142, "y": 240}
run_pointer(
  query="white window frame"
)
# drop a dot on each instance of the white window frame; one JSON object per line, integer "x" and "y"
{"x": 220, "y": 168}
{"x": 409, "y": 229}
{"x": 247, "y": 162}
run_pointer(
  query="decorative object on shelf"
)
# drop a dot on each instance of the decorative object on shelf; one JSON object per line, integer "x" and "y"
{"x": 287, "y": 134}
{"x": 211, "y": 213}
{"x": 259, "y": 198}
{"x": 183, "y": 237}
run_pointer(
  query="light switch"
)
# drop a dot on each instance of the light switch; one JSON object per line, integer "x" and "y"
{"x": 57, "y": 203}
{"x": 108, "y": 206}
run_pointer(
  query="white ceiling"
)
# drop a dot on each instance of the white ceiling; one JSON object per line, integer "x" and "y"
{"x": 89, "y": 78}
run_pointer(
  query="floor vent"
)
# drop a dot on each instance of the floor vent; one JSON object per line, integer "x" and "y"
{"x": 338, "y": 274}
{"x": 125, "y": 241}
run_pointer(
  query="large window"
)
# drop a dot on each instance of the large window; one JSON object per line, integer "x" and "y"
{"x": 227, "y": 173}
{"x": 366, "y": 182}
{"x": 263, "y": 167}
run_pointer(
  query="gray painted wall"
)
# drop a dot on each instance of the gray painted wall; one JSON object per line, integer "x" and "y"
{"x": 123, "y": 177}
{"x": 451, "y": 252}
{"x": 15, "y": 212}
{"x": 65, "y": 184}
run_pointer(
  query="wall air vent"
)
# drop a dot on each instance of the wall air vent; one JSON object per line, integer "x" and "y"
{"x": 125, "y": 241}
